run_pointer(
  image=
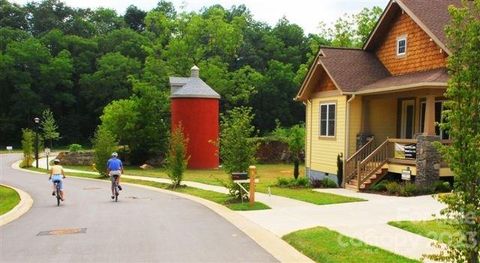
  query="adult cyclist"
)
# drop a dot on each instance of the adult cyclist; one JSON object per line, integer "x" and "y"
{"x": 57, "y": 175}
{"x": 115, "y": 170}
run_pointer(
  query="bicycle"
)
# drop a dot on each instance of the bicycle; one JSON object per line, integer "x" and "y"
{"x": 115, "y": 187}
{"x": 57, "y": 191}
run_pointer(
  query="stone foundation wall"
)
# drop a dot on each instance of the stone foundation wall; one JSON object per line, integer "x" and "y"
{"x": 428, "y": 161}
{"x": 78, "y": 158}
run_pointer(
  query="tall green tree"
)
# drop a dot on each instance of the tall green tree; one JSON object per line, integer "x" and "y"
{"x": 135, "y": 18}
{"x": 463, "y": 124}
{"x": 49, "y": 127}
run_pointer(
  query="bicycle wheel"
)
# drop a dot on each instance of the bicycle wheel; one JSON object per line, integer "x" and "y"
{"x": 57, "y": 188}
{"x": 116, "y": 192}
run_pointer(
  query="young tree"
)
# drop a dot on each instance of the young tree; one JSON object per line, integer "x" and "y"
{"x": 463, "y": 124}
{"x": 237, "y": 149}
{"x": 104, "y": 144}
{"x": 177, "y": 158}
{"x": 28, "y": 138}
{"x": 294, "y": 137}
{"x": 49, "y": 127}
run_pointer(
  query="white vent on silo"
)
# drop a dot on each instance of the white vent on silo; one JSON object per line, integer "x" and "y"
{"x": 195, "y": 72}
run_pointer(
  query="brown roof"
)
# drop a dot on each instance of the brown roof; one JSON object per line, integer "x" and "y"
{"x": 432, "y": 77}
{"x": 351, "y": 69}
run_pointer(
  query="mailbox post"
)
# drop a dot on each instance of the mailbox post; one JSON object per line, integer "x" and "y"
{"x": 47, "y": 153}
{"x": 252, "y": 171}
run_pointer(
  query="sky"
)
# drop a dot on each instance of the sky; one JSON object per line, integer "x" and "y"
{"x": 306, "y": 13}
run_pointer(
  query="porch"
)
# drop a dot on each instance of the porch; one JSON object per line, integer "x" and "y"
{"x": 394, "y": 133}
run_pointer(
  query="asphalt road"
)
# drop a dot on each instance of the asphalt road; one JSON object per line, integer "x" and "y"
{"x": 144, "y": 226}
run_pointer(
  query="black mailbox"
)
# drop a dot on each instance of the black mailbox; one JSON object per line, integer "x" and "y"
{"x": 239, "y": 176}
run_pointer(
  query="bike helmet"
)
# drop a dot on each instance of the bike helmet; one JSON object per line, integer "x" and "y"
{"x": 114, "y": 154}
{"x": 56, "y": 161}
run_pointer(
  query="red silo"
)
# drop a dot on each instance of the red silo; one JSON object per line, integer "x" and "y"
{"x": 196, "y": 106}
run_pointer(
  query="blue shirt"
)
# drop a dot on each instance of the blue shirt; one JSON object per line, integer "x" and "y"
{"x": 114, "y": 164}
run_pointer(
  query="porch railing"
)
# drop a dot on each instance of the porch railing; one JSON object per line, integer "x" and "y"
{"x": 360, "y": 155}
{"x": 370, "y": 165}
{"x": 370, "y": 159}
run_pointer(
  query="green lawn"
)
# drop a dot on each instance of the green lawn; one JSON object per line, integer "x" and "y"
{"x": 266, "y": 173}
{"x": 9, "y": 198}
{"x": 327, "y": 246}
{"x": 216, "y": 197}
{"x": 434, "y": 229}
{"x": 219, "y": 198}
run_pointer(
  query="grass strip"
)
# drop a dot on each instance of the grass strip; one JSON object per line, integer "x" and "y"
{"x": 327, "y": 246}
{"x": 219, "y": 198}
{"x": 438, "y": 229}
{"x": 9, "y": 198}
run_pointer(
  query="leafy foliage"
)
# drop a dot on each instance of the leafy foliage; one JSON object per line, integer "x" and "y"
{"x": 27, "y": 147}
{"x": 141, "y": 122}
{"x": 76, "y": 61}
{"x": 237, "y": 149}
{"x": 104, "y": 144}
{"x": 463, "y": 124}
{"x": 73, "y": 148}
{"x": 49, "y": 126}
{"x": 177, "y": 159}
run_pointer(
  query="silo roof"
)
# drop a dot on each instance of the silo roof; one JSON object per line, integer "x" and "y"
{"x": 191, "y": 87}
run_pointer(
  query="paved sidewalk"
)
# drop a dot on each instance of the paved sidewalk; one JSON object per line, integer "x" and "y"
{"x": 366, "y": 221}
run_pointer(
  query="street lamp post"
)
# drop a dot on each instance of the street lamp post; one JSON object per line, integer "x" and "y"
{"x": 37, "y": 121}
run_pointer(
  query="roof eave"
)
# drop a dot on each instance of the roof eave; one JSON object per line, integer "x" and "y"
{"x": 418, "y": 85}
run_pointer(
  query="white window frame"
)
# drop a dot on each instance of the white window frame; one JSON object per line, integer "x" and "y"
{"x": 402, "y": 38}
{"x": 328, "y": 104}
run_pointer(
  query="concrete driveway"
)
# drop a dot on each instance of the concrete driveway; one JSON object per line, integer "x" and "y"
{"x": 144, "y": 226}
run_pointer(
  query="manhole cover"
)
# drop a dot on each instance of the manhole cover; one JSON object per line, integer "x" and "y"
{"x": 91, "y": 188}
{"x": 66, "y": 231}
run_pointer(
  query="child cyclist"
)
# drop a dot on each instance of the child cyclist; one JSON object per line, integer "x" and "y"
{"x": 57, "y": 175}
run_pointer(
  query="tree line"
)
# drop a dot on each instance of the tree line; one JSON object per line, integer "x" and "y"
{"x": 76, "y": 61}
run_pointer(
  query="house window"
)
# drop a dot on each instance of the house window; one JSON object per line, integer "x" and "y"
{"x": 401, "y": 45}
{"x": 438, "y": 119}
{"x": 327, "y": 119}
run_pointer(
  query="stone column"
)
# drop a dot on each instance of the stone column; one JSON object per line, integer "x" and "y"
{"x": 428, "y": 161}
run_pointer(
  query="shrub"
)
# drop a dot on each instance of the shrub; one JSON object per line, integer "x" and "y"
{"x": 328, "y": 183}
{"x": 324, "y": 183}
{"x": 74, "y": 148}
{"x": 442, "y": 187}
{"x": 176, "y": 162}
{"x": 393, "y": 187}
{"x": 104, "y": 143}
{"x": 283, "y": 182}
{"x": 408, "y": 189}
{"x": 27, "y": 147}
{"x": 380, "y": 186}
{"x": 301, "y": 182}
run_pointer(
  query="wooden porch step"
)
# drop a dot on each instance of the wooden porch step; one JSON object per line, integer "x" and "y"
{"x": 353, "y": 184}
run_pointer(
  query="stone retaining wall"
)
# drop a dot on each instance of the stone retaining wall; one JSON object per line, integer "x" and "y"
{"x": 76, "y": 158}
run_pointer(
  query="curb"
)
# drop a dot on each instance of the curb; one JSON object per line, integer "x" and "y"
{"x": 273, "y": 244}
{"x": 21, "y": 208}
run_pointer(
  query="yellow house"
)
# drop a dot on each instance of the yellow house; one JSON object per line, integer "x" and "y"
{"x": 378, "y": 106}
